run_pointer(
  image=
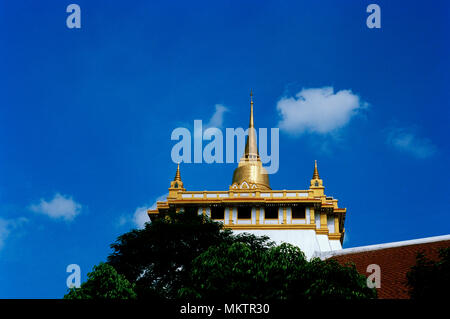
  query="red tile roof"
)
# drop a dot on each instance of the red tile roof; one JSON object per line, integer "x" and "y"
{"x": 394, "y": 262}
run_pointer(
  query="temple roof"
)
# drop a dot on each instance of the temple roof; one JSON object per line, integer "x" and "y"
{"x": 395, "y": 260}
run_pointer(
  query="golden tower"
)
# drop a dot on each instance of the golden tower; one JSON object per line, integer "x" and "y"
{"x": 250, "y": 171}
{"x": 306, "y": 218}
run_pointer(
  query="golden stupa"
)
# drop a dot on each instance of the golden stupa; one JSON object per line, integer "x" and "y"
{"x": 306, "y": 218}
{"x": 250, "y": 167}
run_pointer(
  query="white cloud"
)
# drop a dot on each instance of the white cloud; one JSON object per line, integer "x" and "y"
{"x": 122, "y": 221}
{"x": 9, "y": 225}
{"x": 140, "y": 216}
{"x": 60, "y": 207}
{"x": 318, "y": 110}
{"x": 216, "y": 121}
{"x": 406, "y": 140}
{"x": 217, "y": 118}
{"x": 4, "y": 231}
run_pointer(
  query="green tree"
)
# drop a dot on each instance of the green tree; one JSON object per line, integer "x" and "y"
{"x": 184, "y": 255}
{"x": 430, "y": 279}
{"x": 103, "y": 283}
{"x": 330, "y": 280}
{"x": 158, "y": 258}
{"x": 276, "y": 273}
{"x": 223, "y": 270}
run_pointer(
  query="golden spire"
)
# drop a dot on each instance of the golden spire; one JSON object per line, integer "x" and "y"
{"x": 177, "y": 175}
{"x": 251, "y": 109}
{"x": 250, "y": 167}
{"x": 251, "y": 149}
{"x": 176, "y": 185}
{"x": 316, "y": 183}
{"x": 316, "y": 172}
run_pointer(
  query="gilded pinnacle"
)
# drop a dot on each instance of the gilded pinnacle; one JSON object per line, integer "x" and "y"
{"x": 177, "y": 175}
{"x": 250, "y": 167}
{"x": 316, "y": 172}
{"x": 251, "y": 109}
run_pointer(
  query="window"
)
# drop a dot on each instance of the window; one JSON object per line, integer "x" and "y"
{"x": 271, "y": 212}
{"x": 217, "y": 213}
{"x": 191, "y": 210}
{"x": 244, "y": 212}
{"x": 298, "y": 212}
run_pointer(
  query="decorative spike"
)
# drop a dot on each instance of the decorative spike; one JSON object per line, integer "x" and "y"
{"x": 177, "y": 175}
{"x": 250, "y": 169}
{"x": 251, "y": 149}
{"x": 251, "y": 109}
{"x": 316, "y": 172}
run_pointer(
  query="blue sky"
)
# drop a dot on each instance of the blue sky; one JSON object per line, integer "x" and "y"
{"x": 86, "y": 116}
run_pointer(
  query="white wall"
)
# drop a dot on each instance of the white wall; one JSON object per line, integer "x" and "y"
{"x": 288, "y": 215}
{"x": 335, "y": 245}
{"x": 305, "y": 239}
{"x": 317, "y": 218}
{"x": 330, "y": 223}
{"x": 324, "y": 243}
{"x": 227, "y": 215}
{"x": 234, "y": 215}
{"x": 261, "y": 215}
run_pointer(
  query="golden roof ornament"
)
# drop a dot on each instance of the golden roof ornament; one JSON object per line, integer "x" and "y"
{"x": 176, "y": 185}
{"x": 316, "y": 172}
{"x": 316, "y": 182}
{"x": 250, "y": 168}
{"x": 177, "y": 174}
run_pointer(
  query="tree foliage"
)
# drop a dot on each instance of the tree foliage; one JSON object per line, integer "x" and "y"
{"x": 158, "y": 258}
{"x": 103, "y": 283}
{"x": 278, "y": 273}
{"x": 430, "y": 279}
{"x": 185, "y": 255}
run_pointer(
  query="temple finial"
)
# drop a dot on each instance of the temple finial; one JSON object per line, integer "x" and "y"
{"x": 316, "y": 172}
{"x": 176, "y": 185}
{"x": 177, "y": 175}
{"x": 251, "y": 149}
{"x": 251, "y": 109}
{"x": 250, "y": 167}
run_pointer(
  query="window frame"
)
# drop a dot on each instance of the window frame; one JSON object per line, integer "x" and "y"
{"x": 295, "y": 208}
{"x": 246, "y": 207}
{"x": 272, "y": 207}
{"x": 217, "y": 207}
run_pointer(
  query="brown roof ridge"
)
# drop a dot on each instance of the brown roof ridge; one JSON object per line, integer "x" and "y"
{"x": 355, "y": 250}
